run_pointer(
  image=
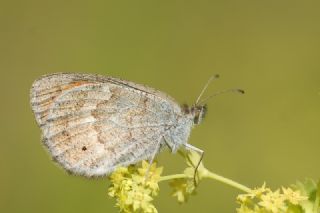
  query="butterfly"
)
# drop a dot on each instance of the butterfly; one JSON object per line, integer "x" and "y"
{"x": 92, "y": 124}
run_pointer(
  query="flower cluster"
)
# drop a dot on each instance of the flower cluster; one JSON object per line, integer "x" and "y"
{"x": 264, "y": 200}
{"x": 186, "y": 186}
{"x": 134, "y": 188}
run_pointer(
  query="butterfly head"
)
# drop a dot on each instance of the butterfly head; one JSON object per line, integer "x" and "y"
{"x": 199, "y": 109}
{"x": 196, "y": 112}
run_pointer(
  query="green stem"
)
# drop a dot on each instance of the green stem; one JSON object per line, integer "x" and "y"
{"x": 211, "y": 175}
{"x": 226, "y": 181}
{"x": 176, "y": 176}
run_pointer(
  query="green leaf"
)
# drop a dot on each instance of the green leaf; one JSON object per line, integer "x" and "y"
{"x": 316, "y": 205}
{"x": 307, "y": 188}
{"x": 311, "y": 189}
{"x": 294, "y": 209}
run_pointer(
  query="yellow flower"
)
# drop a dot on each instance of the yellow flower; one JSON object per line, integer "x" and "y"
{"x": 116, "y": 178}
{"x": 257, "y": 192}
{"x": 151, "y": 176}
{"x": 265, "y": 200}
{"x": 273, "y": 201}
{"x": 255, "y": 209}
{"x": 131, "y": 190}
{"x": 293, "y": 197}
{"x": 182, "y": 189}
{"x": 138, "y": 197}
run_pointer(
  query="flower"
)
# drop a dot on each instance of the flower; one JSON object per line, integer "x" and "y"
{"x": 152, "y": 176}
{"x": 134, "y": 188}
{"x": 293, "y": 197}
{"x": 273, "y": 201}
{"x": 194, "y": 161}
{"x": 265, "y": 200}
{"x": 182, "y": 189}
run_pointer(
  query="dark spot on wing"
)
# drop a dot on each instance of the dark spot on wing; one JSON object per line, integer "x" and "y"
{"x": 65, "y": 133}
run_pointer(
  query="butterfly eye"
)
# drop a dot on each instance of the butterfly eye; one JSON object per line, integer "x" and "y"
{"x": 196, "y": 119}
{"x": 203, "y": 111}
{"x": 84, "y": 148}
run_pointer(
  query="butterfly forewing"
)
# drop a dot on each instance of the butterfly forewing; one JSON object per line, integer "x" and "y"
{"x": 92, "y": 124}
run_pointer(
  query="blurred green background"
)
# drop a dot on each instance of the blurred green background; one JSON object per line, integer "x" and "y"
{"x": 269, "y": 48}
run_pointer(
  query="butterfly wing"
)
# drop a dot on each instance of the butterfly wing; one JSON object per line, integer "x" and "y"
{"x": 92, "y": 124}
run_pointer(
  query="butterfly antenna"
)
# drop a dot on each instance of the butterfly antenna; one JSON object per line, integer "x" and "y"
{"x": 206, "y": 86}
{"x": 221, "y": 92}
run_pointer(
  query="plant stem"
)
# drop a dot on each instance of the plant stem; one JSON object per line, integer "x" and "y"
{"x": 226, "y": 181}
{"x": 211, "y": 175}
{"x": 176, "y": 176}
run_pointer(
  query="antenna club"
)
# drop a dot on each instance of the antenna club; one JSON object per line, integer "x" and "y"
{"x": 216, "y": 76}
{"x": 241, "y": 91}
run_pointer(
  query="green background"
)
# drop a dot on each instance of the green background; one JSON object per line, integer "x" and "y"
{"x": 269, "y": 48}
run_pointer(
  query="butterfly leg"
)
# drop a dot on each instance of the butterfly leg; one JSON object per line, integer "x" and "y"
{"x": 201, "y": 152}
{"x": 167, "y": 143}
{"x": 156, "y": 150}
